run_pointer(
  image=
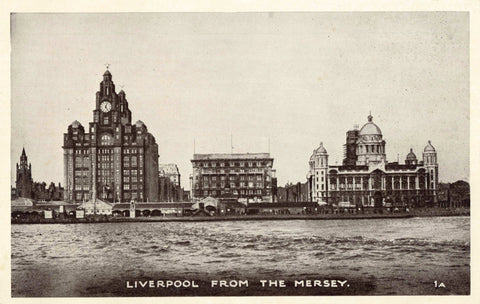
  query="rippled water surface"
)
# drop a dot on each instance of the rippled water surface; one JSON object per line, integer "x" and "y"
{"x": 381, "y": 256}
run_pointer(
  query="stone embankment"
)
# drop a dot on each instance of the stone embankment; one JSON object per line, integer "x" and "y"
{"x": 420, "y": 212}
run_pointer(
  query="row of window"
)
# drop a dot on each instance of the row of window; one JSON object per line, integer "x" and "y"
{"x": 388, "y": 186}
{"x": 84, "y": 185}
{"x": 235, "y": 192}
{"x": 105, "y": 172}
{"x": 132, "y": 172}
{"x": 105, "y": 169}
{"x": 81, "y": 172}
{"x": 233, "y": 178}
{"x": 233, "y": 164}
{"x": 108, "y": 158}
{"x": 232, "y": 185}
{"x": 105, "y": 180}
{"x": 132, "y": 195}
{"x": 80, "y": 196}
{"x": 81, "y": 187}
{"x": 132, "y": 186}
{"x": 82, "y": 162}
{"x": 370, "y": 149}
{"x": 105, "y": 151}
{"x": 133, "y": 151}
{"x": 358, "y": 180}
{"x": 237, "y": 170}
{"x": 75, "y": 138}
{"x": 133, "y": 179}
{"x": 132, "y": 161}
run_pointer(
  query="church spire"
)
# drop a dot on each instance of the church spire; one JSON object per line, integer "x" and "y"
{"x": 23, "y": 157}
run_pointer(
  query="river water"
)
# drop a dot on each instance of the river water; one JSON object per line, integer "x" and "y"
{"x": 375, "y": 257}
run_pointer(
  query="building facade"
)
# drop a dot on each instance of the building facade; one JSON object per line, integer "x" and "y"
{"x": 171, "y": 172}
{"x": 293, "y": 192}
{"x": 236, "y": 177}
{"x": 366, "y": 178}
{"x": 169, "y": 184}
{"x": 114, "y": 160}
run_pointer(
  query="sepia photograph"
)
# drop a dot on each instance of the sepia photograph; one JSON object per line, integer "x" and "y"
{"x": 221, "y": 154}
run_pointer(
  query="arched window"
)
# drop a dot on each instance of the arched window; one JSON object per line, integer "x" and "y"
{"x": 106, "y": 140}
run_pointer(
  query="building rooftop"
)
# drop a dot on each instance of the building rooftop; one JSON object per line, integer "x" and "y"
{"x": 169, "y": 168}
{"x": 239, "y": 156}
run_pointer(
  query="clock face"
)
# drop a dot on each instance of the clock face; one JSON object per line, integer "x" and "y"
{"x": 105, "y": 106}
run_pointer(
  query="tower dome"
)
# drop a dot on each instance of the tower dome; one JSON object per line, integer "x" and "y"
{"x": 370, "y": 128}
{"x": 411, "y": 158}
{"x": 139, "y": 124}
{"x": 370, "y": 145}
{"x": 318, "y": 151}
{"x": 321, "y": 149}
{"x": 429, "y": 147}
{"x": 411, "y": 155}
{"x": 76, "y": 124}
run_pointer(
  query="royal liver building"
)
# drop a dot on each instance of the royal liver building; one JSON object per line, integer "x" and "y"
{"x": 366, "y": 178}
{"x": 112, "y": 159}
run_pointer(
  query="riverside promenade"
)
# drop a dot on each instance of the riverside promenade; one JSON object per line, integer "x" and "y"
{"x": 419, "y": 212}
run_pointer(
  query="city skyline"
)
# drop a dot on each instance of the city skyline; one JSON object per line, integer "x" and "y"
{"x": 270, "y": 81}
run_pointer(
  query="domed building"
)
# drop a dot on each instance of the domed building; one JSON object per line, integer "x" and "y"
{"x": 367, "y": 179}
{"x": 111, "y": 159}
{"x": 370, "y": 145}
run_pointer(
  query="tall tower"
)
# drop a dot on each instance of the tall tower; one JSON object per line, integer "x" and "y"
{"x": 318, "y": 174}
{"x": 431, "y": 165}
{"x": 24, "y": 181}
{"x": 115, "y": 160}
{"x": 350, "y": 147}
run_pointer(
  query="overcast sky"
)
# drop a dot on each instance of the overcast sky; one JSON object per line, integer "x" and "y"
{"x": 296, "y": 78}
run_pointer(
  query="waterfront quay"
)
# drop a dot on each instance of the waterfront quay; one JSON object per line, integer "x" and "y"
{"x": 369, "y": 214}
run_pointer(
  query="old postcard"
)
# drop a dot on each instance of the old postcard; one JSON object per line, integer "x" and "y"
{"x": 240, "y": 154}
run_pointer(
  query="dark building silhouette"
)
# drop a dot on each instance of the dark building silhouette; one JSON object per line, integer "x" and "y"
{"x": 114, "y": 160}
{"x": 350, "y": 147}
{"x": 168, "y": 190}
{"x": 26, "y": 188}
{"x": 169, "y": 184}
{"x": 51, "y": 193}
{"x": 24, "y": 181}
{"x": 455, "y": 194}
{"x": 293, "y": 192}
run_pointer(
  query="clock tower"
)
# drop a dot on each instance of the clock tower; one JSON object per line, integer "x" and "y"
{"x": 116, "y": 160}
